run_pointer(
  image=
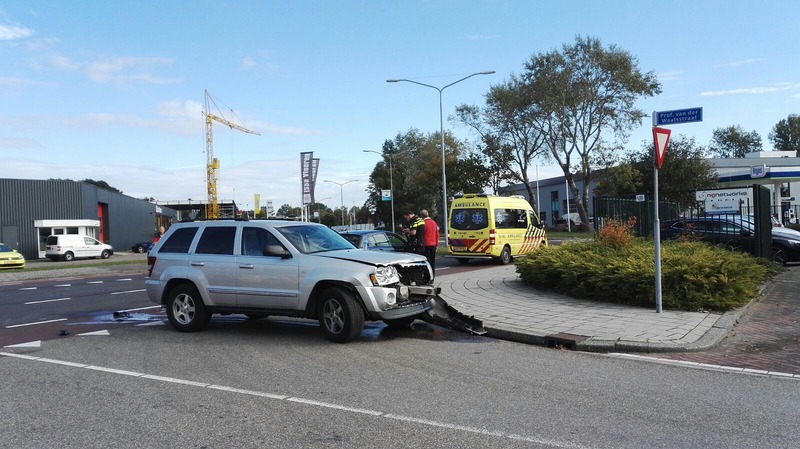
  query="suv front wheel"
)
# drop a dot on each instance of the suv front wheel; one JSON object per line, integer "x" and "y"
{"x": 340, "y": 316}
{"x": 185, "y": 309}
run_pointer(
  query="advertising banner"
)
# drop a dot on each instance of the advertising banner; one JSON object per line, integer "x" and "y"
{"x": 306, "y": 177}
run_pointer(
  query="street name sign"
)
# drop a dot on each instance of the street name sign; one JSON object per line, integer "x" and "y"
{"x": 679, "y": 116}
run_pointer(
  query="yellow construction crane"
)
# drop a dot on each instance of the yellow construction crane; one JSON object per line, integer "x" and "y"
{"x": 212, "y": 163}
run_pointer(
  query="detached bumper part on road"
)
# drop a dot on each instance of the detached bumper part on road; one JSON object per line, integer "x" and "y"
{"x": 444, "y": 314}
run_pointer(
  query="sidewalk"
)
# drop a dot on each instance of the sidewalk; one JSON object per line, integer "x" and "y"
{"x": 513, "y": 311}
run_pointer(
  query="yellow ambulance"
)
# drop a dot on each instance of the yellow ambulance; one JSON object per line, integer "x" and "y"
{"x": 486, "y": 226}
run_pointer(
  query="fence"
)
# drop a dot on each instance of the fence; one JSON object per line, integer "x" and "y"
{"x": 737, "y": 218}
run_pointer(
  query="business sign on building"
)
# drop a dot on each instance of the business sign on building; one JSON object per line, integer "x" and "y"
{"x": 725, "y": 201}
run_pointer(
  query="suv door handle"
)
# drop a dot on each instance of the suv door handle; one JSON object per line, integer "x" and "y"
{"x": 247, "y": 266}
{"x": 198, "y": 264}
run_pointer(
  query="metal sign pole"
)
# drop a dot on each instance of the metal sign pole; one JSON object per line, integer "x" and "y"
{"x": 656, "y": 227}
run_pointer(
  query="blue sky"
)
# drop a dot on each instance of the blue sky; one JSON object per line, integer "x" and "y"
{"x": 114, "y": 90}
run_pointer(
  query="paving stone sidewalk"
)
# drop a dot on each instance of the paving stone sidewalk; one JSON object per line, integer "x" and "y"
{"x": 514, "y": 311}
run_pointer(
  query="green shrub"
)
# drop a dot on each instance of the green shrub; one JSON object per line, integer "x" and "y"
{"x": 694, "y": 276}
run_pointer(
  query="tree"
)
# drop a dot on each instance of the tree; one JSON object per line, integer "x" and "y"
{"x": 417, "y": 173}
{"x": 510, "y": 129}
{"x": 101, "y": 184}
{"x": 288, "y": 211}
{"x": 619, "y": 180}
{"x": 683, "y": 171}
{"x": 785, "y": 135}
{"x": 583, "y": 94}
{"x": 734, "y": 142}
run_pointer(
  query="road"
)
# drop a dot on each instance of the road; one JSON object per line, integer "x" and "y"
{"x": 278, "y": 383}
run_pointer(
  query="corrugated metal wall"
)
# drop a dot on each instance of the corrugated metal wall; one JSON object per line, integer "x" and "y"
{"x": 22, "y": 201}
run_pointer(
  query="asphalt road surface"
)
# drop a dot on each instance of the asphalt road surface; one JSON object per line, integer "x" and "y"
{"x": 279, "y": 383}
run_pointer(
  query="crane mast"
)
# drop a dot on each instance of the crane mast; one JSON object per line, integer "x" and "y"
{"x": 212, "y": 163}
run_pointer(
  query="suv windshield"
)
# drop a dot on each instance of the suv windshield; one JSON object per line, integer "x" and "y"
{"x": 314, "y": 239}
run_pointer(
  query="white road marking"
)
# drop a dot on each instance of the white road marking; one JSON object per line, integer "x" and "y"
{"x": 704, "y": 365}
{"x": 28, "y": 288}
{"x": 141, "y": 308}
{"x": 30, "y": 344}
{"x": 33, "y": 324}
{"x": 95, "y": 282}
{"x": 308, "y": 402}
{"x": 124, "y": 279}
{"x": 96, "y": 333}
{"x": 47, "y": 300}
{"x": 63, "y": 285}
{"x": 128, "y": 291}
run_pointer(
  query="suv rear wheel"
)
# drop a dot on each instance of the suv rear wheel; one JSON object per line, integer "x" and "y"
{"x": 185, "y": 309}
{"x": 340, "y": 316}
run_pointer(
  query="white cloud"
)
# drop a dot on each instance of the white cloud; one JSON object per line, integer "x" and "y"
{"x": 116, "y": 69}
{"x": 180, "y": 109}
{"x": 63, "y": 62}
{"x": 13, "y": 32}
{"x": 483, "y": 37}
{"x": 782, "y": 87}
{"x": 248, "y": 63}
{"x": 670, "y": 76}
{"x": 42, "y": 43}
{"x": 14, "y": 83}
{"x": 738, "y": 63}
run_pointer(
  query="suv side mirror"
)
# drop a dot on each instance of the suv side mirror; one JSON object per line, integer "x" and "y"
{"x": 277, "y": 251}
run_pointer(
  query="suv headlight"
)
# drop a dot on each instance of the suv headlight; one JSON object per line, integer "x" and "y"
{"x": 385, "y": 276}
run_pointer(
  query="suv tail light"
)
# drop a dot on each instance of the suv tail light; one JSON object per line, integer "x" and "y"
{"x": 151, "y": 262}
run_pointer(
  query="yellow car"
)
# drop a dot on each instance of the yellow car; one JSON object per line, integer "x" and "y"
{"x": 10, "y": 258}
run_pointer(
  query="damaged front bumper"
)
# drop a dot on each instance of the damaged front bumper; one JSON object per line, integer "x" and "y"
{"x": 424, "y": 302}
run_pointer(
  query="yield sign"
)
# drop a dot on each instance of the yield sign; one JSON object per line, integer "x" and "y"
{"x": 661, "y": 139}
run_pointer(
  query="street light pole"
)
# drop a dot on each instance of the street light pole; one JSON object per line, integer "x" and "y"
{"x": 441, "y": 132}
{"x": 341, "y": 193}
{"x": 319, "y": 215}
{"x": 391, "y": 182}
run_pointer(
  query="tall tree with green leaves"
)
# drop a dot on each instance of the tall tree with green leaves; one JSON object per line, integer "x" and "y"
{"x": 734, "y": 142}
{"x": 684, "y": 171}
{"x": 584, "y": 98}
{"x": 417, "y": 173}
{"x": 785, "y": 135}
{"x": 510, "y": 129}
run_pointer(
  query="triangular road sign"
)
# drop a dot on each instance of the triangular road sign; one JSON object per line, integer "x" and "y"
{"x": 661, "y": 139}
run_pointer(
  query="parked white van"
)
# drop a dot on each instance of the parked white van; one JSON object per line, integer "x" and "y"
{"x": 71, "y": 246}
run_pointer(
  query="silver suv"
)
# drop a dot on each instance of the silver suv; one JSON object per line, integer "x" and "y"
{"x": 285, "y": 268}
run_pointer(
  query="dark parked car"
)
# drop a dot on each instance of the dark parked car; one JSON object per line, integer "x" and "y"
{"x": 142, "y": 247}
{"x": 562, "y": 226}
{"x": 375, "y": 240}
{"x": 735, "y": 233}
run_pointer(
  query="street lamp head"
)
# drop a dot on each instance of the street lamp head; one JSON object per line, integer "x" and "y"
{"x": 488, "y": 72}
{"x": 392, "y": 81}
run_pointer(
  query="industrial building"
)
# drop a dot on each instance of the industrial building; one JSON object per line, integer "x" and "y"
{"x": 31, "y": 210}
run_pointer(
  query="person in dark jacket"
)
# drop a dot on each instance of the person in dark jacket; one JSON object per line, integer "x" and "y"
{"x": 414, "y": 233}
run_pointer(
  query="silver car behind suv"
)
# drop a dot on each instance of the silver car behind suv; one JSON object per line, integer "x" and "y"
{"x": 285, "y": 268}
